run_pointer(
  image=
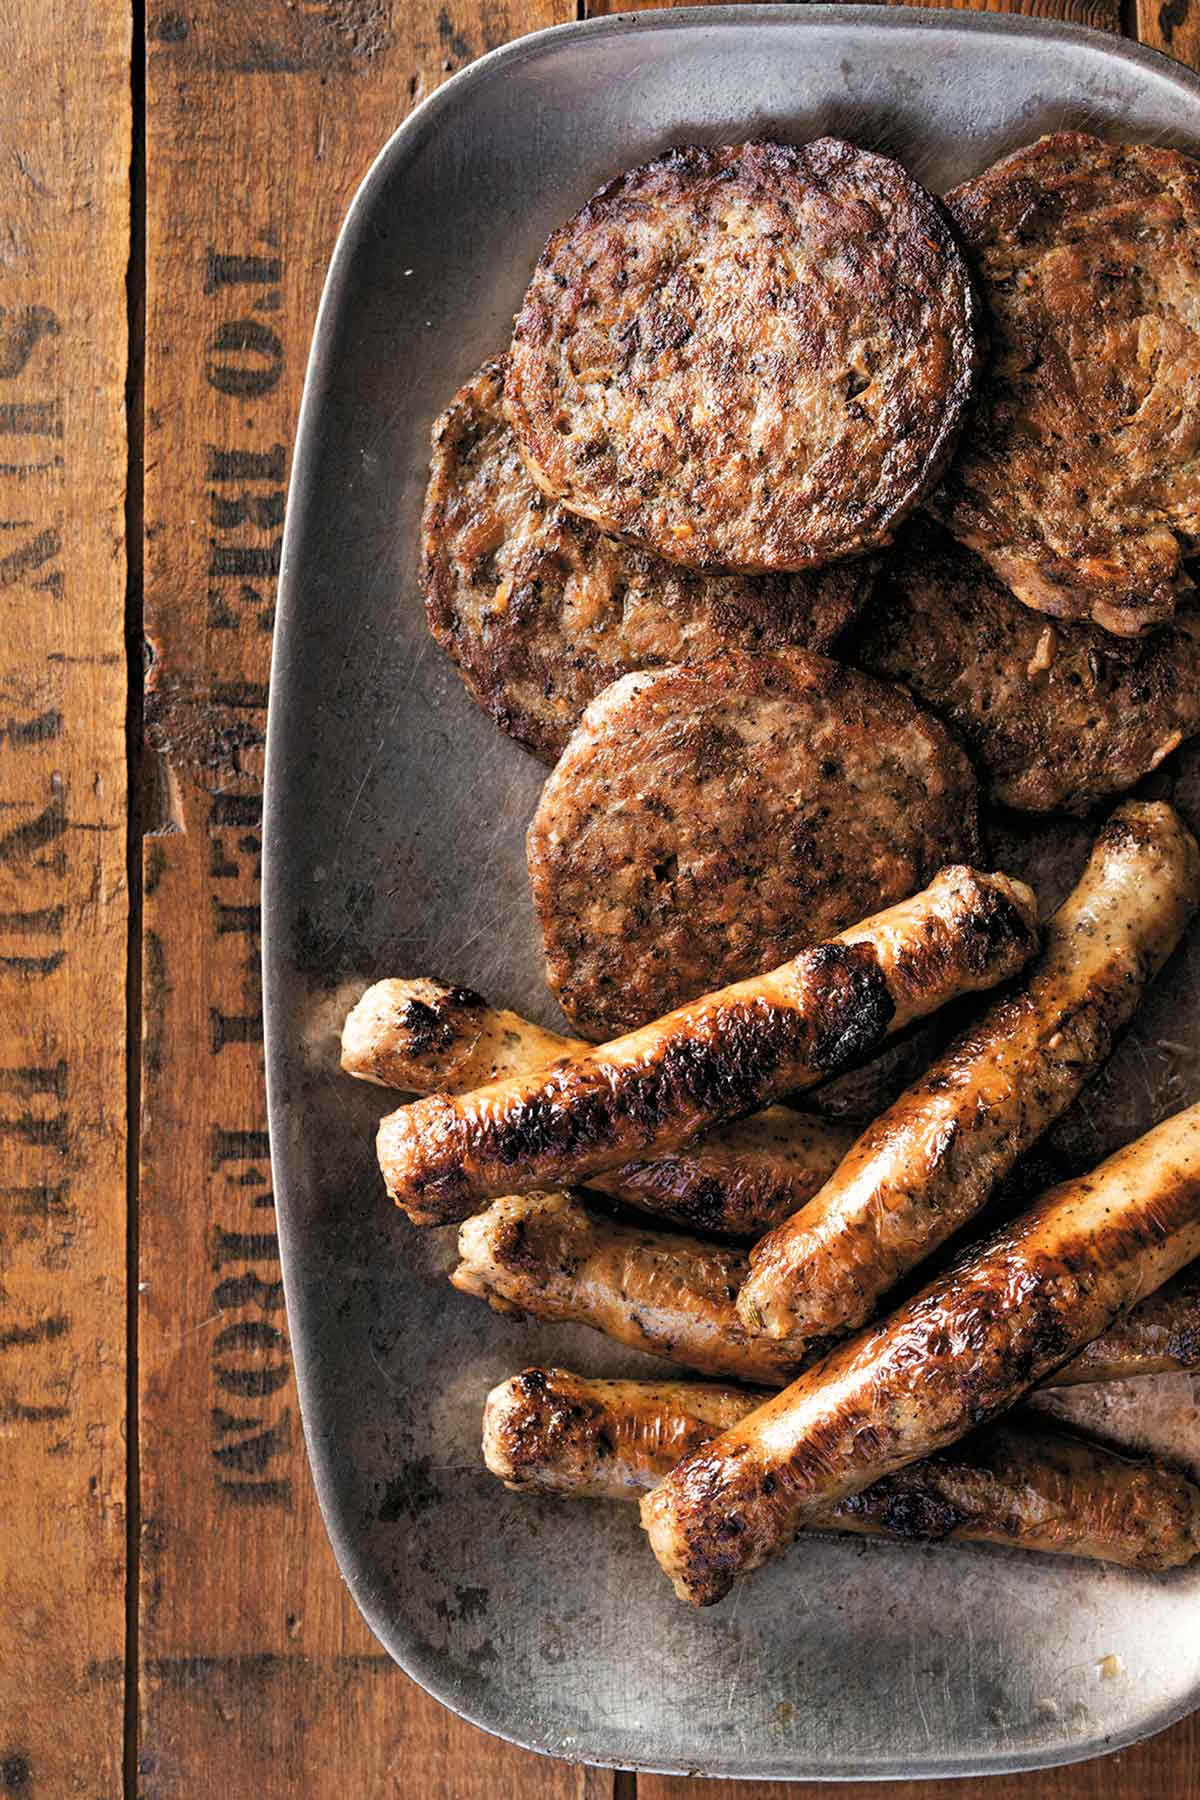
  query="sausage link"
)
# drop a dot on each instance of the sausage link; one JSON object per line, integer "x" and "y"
{"x": 1016, "y": 1482}
{"x": 1161, "y": 1336}
{"x": 657, "y": 1291}
{"x": 713, "y": 1060}
{"x": 425, "y": 1036}
{"x": 553, "y": 1257}
{"x": 966, "y": 1347}
{"x": 548, "y": 1431}
{"x": 737, "y": 1181}
{"x": 921, "y": 1170}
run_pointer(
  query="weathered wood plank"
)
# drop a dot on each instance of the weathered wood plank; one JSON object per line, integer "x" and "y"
{"x": 64, "y": 248}
{"x": 1166, "y": 1768}
{"x": 1172, "y": 26}
{"x": 1104, "y": 15}
{"x": 257, "y": 1674}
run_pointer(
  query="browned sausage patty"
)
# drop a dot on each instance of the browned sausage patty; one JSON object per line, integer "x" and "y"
{"x": 540, "y": 610}
{"x": 1056, "y": 715}
{"x": 1078, "y": 477}
{"x": 753, "y": 357}
{"x": 706, "y": 822}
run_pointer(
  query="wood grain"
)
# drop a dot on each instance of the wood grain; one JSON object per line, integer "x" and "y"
{"x": 1103, "y": 15}
{"x": 257, "y": 1675}
{"x": 64, "y": 248}
{"x": 1172, "y": 26}
{"x": 1166, "y": 1768}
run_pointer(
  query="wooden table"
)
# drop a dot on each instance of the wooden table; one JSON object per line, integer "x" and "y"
{"x": 173, "y": 1624}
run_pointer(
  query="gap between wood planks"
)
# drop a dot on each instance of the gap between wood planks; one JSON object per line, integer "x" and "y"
{"x": 134, "y": 760}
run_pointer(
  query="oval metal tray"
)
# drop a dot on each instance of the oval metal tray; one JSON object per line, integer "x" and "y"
{"x": 395, "y": 820}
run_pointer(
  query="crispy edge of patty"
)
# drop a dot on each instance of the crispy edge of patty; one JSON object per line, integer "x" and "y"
{"x": 1056, "y": 714}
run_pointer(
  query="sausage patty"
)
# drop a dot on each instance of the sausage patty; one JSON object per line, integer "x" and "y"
{"x": 1056, "y": 715}
{"x": 1078, "y": 477}
{"x": 540, "y": 610}
{"x": 751, "y": 357}
{"x": 707, "y": 821}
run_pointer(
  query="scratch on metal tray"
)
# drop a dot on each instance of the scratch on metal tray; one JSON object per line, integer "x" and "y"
{"x": 915, "y": 1683}
{"x": 735, "y": 1680}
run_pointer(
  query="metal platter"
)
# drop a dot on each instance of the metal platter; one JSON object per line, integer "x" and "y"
{"x": 395, "y": 821}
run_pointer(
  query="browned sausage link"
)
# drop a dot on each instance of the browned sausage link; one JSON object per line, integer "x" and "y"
{"x": 548, "y": 1431}
{"x": 920, "y": 1171}
{"x": 551, "y": 1256}
{"x": 737, "y": 1181}
{"x": 1016, "y": 1482}
{"x": 427, "y": 1037}
{"x": 963, "y": 1349}
{"x": 1159, "y": 1337}
{"x": 662, "y": 1292}
{"x": 713, "y": 1060}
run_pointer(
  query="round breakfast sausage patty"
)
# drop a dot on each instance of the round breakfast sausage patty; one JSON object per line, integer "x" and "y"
{"x": 753, "y": 357}
{"x": 1078, "y": 476}
{"x": 540, "y": 610}
{"x": 708, "y": 821}
{"x": 1056, "y": 715}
